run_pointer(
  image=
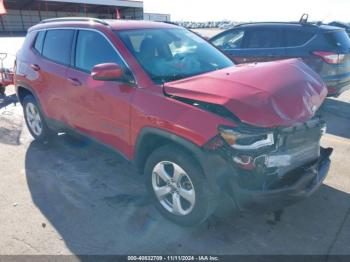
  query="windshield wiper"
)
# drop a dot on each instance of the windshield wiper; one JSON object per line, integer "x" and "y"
{"x": 175, "y": 77}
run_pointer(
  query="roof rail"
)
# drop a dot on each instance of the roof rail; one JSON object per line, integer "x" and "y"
{"x": 271, "y": 22}
{"x": 74, "y": 19}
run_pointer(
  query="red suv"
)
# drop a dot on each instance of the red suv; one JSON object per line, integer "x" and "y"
{"x": 201, "y": 129}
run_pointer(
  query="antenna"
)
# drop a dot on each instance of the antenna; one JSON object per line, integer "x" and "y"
{"x": 304, "y": 18}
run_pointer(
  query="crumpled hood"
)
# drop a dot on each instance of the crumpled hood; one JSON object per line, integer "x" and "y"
{"x": 269, "y": 94}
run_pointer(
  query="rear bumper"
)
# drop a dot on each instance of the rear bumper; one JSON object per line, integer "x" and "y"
{"x": 273, "y": 199}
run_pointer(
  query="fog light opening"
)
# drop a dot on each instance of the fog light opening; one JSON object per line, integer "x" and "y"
{"x": 244, "y": 162}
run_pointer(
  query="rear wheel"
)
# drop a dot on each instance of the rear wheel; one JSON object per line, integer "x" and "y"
{"x": 34, "y": 119}
{"x": 178, "y": 186}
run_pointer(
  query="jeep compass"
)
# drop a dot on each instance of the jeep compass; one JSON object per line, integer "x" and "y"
{"x": 199, "y": 128}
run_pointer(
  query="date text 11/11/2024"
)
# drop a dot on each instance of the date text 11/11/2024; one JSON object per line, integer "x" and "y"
{"x": 173, "y": 258}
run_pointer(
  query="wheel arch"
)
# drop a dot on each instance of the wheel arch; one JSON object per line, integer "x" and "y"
{"x": 150, "y": 139}
{"x": 22, "y": 90}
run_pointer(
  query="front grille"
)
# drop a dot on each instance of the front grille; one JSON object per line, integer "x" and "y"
{"x": 302, "y": 138}
{"x": 301, "y": 142}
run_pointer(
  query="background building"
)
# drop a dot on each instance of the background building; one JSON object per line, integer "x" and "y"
{"x": 22, "y": 14}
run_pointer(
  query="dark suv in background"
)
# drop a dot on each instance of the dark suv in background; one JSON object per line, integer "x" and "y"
{"x": 324, "y": 48}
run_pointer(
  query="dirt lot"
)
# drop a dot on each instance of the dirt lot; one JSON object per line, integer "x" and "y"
{"x": 75, "y": 197}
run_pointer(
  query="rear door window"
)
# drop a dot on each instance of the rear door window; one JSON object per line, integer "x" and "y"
{"x": 58, "y": 44}
{"x": 264, "y": 38}
{"x": 297, "y": 38}
{"x": 93, "y": 49}
{"x": 230, "y": 40}
{"x": 338, "y": 39}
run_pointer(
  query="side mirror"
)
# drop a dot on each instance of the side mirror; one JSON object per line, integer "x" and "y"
{"x": 107, "y": 72}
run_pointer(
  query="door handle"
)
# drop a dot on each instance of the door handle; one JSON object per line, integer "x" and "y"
{"x": 35, "y": 67}
{"x": 74, "y": 81}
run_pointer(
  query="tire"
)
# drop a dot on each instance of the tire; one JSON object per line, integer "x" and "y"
{"x": 191, "y": 183}
{"x": 35, "y": 120}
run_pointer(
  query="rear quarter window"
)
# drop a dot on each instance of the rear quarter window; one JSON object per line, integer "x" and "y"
{"x": 58, "y": 44}
{"x": 39, "y": 41}
{"x": 338, "y": 39}
{"x": 297, "y": 38}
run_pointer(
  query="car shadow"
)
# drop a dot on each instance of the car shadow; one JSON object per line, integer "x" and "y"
{"x": 337, "y": 115}
{"x": 7, "y": 100}
{"x": 98, "y": 204}
{"x": 10, "y": 125}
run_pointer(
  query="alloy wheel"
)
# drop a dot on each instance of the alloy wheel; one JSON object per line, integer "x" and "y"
{"x": 33, "y": 119}
{"x": 173, "y": 188}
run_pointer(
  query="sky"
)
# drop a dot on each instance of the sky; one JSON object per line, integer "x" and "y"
{"x": 251, "y": 10}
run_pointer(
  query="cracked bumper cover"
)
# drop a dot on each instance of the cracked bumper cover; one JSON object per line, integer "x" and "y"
{"x": 310, "y": 178}
{"x": 309, "y": 181}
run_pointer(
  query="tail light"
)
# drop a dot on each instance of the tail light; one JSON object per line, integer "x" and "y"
{"x": 330, "y": 57}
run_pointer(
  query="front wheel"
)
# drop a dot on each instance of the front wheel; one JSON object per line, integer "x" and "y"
{"x": 35, "y": 120}
{"x": 178, "y": 186}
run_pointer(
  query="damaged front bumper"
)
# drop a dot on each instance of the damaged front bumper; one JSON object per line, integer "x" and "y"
{"x": 292, "y": 187}
{"x": 274, "y": 176}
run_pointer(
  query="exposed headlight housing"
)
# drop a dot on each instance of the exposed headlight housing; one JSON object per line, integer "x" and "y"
{"x": 245, "y": 141}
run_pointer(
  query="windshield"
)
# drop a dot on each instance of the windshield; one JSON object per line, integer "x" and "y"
{"x": 172, "y": 54}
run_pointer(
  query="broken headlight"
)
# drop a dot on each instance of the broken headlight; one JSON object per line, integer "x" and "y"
{"x": 245, "y": 141}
